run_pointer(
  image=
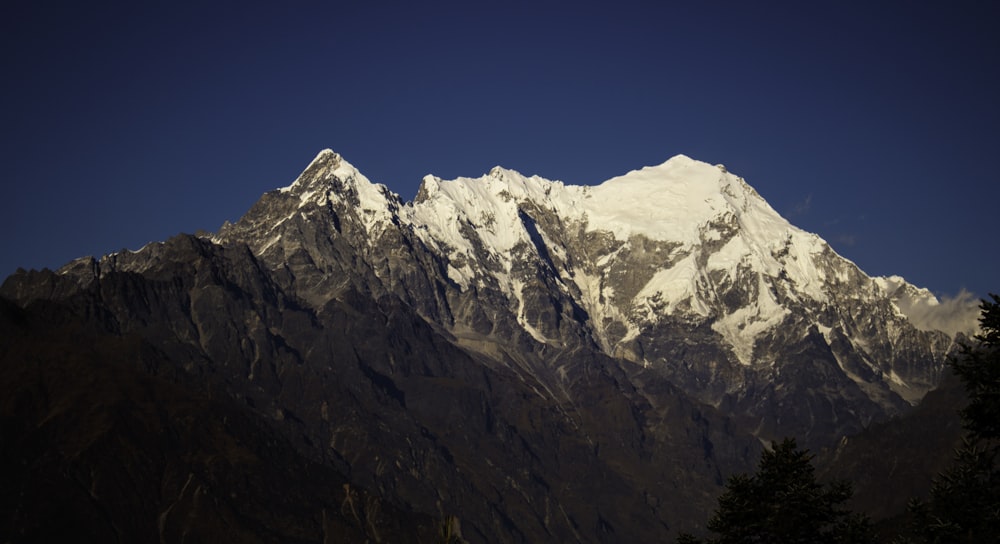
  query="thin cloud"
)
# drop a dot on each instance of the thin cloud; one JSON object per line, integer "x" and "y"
{"x": 950, "y": 315}
{"x": 802, "y": 207}
{"x": 846, "y": 240}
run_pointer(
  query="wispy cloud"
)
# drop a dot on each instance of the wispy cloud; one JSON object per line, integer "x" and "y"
{"x": 802, "y": 207}
{"x": 846, "y": 240}
{"x": 951, "y": 314}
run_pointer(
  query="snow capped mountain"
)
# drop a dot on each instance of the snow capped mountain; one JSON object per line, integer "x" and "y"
{"x": 680, "y": 269}
{"x": 506, "y": 347}
{"x": 678, "y": 209}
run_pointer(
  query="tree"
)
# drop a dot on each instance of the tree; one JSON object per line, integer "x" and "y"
{"x": 783, "y": 503}
{"x": 978, "y": 367}
{"x": 964, "y": 503}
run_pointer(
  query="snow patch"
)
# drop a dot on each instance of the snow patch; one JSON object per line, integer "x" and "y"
{"x": 742, "y": 327}
{"x": 675, "y": 285}
{"x": 518, "y": 287}
{"x": 461, "y": 276}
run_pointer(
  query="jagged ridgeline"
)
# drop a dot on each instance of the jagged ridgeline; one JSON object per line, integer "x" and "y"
{"x": 506, "y": 358}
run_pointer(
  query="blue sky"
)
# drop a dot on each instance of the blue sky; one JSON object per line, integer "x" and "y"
{"x": 873, "y": 126}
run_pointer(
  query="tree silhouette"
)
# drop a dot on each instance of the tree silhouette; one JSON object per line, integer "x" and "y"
{"x": 978, "y": 367}
{"x": 783, "y": 503}
{"x": 964, "y": 503}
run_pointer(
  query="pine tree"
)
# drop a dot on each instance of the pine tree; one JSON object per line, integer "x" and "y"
{"x": 964, "y": 503}
{"x": 783, "y": 503}
{"x": 979, "y": 369}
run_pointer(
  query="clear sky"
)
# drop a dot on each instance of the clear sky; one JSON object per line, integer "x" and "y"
{"x": 874, "y": 124}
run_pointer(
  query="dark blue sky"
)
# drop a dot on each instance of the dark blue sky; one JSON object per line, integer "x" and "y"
{"x": 873, "y": 126}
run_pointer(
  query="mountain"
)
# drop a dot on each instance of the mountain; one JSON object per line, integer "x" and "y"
{"x": 681, "y": 269}
{"x": 510, "y": 357}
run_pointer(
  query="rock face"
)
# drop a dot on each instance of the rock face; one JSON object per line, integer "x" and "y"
{"x": 106, "y": 438}
{"x": 508, "y": 357}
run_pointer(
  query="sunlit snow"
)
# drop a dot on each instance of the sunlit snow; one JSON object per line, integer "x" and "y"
{"x": 718, "y": 231}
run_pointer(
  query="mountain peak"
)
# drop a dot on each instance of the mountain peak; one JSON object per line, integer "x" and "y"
{"x": 330, "y": 180}
{"x": 325, "y": 153}
{"x": 680, "y": 158}
{"x": 499, "y": 172}
{"x": 319, "y": 169}
{"x": 681, "y": 161}
{"x": 326, "y": 160}
{"x": 330, "y": 171}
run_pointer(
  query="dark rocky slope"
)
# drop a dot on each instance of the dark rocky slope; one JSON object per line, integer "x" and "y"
{"x": 97, "y": 449}
{"x": 201, "y": 366}
{"x": 894, "y": 462}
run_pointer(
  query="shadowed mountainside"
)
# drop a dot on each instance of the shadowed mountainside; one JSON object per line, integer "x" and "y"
{"x": 200, "y": 384}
